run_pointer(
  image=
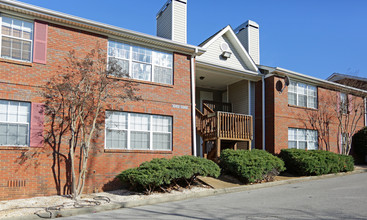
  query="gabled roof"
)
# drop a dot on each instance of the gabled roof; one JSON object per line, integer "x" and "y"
{"x": 228, "y": 31}
{"x": 12, "y": 6}
{"x": 338, "y": 76}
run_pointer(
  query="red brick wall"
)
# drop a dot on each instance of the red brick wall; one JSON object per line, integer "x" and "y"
{"x": 280, "y": 116}
{"x": 27, "y": 172}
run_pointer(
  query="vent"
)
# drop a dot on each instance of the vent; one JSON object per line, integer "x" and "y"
{"x": 16, "y": 183}
{"x": 224, "y": 46}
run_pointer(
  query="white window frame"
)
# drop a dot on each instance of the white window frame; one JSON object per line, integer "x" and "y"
{"x": 297, "y": 84}
{"x": 17, "y": 38}
{"x": 306, "y": 139}
{"x": 28, "y": 123}
{"x": 152, "y": 64}
{"x": 129, "y": 130}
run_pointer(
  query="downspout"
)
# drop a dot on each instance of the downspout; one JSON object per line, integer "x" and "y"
{"x": 193, "y": 102}
{"x": 263, "y": 110}
{"x": 365, "y": 111}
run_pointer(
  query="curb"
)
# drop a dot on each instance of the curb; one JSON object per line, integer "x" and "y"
{"x": 173, "y": 198}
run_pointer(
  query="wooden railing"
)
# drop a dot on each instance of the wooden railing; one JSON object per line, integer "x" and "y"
{"x": 218, "y": 106}
{"x": 224, "y": 125}
{"x": 234, "y": 126}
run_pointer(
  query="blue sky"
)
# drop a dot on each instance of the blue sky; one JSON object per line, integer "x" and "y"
{"x": 313, "y": 37}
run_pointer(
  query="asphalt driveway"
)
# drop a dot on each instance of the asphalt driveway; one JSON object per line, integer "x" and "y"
{"x": 343, "y": 197}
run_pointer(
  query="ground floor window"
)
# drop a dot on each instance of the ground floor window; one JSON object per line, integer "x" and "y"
{"x": 14, "y": 123}
{"x": 135, "y": 131}
{"x": 302, "y": 139}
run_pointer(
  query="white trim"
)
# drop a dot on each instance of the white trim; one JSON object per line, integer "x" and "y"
{"x": 249, "y": 96}
{"x": 306, "y": 139}
{"x": 193, "y": 108}
{"x": 152, "y": 63}
{"x": 263, "y": 112}
{"x": 149, "y": 130}
{"x": 29, "y": 115}
{"x": 97, "y": 27}
{"x": 172, "y": 21}
{"x": 237, "y": 44}
{"x": 309, "y": 79}
{"x": 22, "y": 20}
{"x": 245, "y": 74}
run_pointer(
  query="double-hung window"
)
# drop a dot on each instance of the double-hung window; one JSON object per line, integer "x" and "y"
{"x": 138, "y": 131}
{"x": 302, "y": 139}
{"x": 141, "y": 63}
{"x": 16, "y": 39}
{"x": 303, "y": 95}
{"x": 14, "y": 123}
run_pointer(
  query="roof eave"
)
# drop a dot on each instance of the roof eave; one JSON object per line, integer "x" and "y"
{"x": 94, "y": 26}
{"x": 310, "y": 79}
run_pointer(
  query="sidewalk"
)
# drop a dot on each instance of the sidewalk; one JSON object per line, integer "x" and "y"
{"x": 61, "y": 206}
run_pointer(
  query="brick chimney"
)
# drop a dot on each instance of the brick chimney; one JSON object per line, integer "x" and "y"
{"x": 172, "y": 21}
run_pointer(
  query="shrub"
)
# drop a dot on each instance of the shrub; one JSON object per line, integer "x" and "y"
{"x": 250, "y": 166}
{"x": 162, "y": 173}
{"x": 360, "y": 144}
{"x": 315, "y": 162}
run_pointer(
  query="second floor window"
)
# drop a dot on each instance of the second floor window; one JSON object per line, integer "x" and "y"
{"x": 16, "y": 39}
{"x": 303, "y": 95}
{"x": 142, "y": 63}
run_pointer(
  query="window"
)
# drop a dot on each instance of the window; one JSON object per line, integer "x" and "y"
{"x": 142, "y": 63}
{"x": 16, "y": 39}
{"x": 302, "y": 139}
{"x": 343, "y": 103}
{"x": 14, "y": 123}
{"x": 138, "y": 131}
{"x": 303, "y": 95}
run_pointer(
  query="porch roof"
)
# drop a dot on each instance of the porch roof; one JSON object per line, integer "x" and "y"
{"x": 218, "y": 77}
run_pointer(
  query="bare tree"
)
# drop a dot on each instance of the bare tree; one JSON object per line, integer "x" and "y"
{"x": 320, "y": 121}
{"x": 74, "y": 103}
{"x": 349, "y": 110}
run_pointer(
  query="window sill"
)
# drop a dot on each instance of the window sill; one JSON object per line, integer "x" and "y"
{"x": 306, "y": 108}
{"x": 138, "y": 151}
{"x": 22, "y": 148}
{"x": 22, "y": 63}
{"x": 140, "y": 81}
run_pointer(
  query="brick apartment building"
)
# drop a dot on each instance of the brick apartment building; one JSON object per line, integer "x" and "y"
{"x": 219, "y": 82}
{"x": 289, "y": 110}
{"x": 34, "y": 43}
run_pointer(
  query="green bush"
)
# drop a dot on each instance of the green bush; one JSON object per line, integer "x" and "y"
{"x": 250, "y": 166}
{"x": 315, "y": 162}
{"x": 360, "y": 144}
{"x": 165, "y": 172}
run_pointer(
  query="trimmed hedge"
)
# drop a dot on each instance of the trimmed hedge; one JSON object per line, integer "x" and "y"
{"x": 315, "y": 162}
{"x": 161, "y": 172}
{"x": 250, "y": 166}
{"x": 360, "y": 144}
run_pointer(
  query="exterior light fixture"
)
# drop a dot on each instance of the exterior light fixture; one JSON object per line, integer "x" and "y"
{"x": 226, "y": 54}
